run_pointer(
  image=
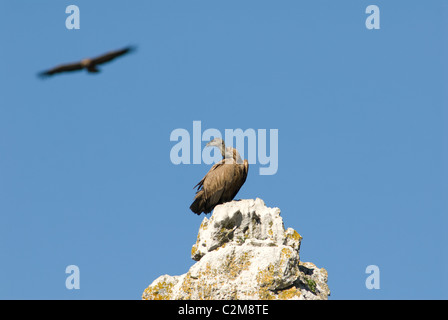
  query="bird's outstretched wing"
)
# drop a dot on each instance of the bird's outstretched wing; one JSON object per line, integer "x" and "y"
{"x": 111, "y": 55}
{"x": 62, "y": 68}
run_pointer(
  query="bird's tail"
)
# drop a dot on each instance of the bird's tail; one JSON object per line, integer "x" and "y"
{"x": 93, "y": 69}
{"x": 198, "y": 205}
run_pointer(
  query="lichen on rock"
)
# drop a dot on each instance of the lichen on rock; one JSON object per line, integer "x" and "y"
{"x": 244, "y": 252}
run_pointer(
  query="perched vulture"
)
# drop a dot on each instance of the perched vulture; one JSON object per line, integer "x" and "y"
{"x": 222, "y": 182}
{"x": 90, "y": 64}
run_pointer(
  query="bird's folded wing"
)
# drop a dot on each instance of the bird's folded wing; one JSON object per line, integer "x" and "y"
{"x": 216, "y": 181}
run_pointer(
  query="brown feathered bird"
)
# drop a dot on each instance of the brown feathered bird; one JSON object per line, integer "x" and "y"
{"x": 89, "y": 64}
{"x": 222, "y": 182}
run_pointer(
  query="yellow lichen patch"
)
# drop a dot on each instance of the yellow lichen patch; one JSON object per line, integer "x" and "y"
{"x": 236, "y": 265}
{"x": 288, "y": 294}
{"x": 294, "y": 236}
{"x": 285, "y": 255}
{"x": 204, "y": 225}
{"x": 286, "y": 259}
{"x": 194, "y": 249}
{"x": 209, "y": 272}
{"x": 187, "y": 286}
{"x": 161, "y": 291}
{"x": 293, "y": 239}
{"x": 223, "y": 246}
{"x": 325, "y": 272}
{"x": 265, "y": 294}
{"x": 205, "y": 290}
{"x": 270, "y": 231}
{"x": 265, "y": 278}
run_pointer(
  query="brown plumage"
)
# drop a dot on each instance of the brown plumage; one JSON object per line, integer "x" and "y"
{"x": 222, "y": 182}
{"x": 90, "y": 64}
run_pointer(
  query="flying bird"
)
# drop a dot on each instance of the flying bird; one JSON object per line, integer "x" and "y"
{"x": 222, "y": 182}
{"x": 90, "y": 64}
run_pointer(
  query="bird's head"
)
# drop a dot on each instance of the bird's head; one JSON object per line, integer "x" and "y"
{"x": 86, "y": 62}
{"x": 217, "y": 142}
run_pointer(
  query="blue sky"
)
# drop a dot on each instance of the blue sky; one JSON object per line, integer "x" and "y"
{"x": 85, "y": 171}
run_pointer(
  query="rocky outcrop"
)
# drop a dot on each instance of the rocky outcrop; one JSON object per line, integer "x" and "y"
{"x": 244, "y": 252}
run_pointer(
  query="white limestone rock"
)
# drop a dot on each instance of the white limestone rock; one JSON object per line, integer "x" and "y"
{"x": 244, "y": 252}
